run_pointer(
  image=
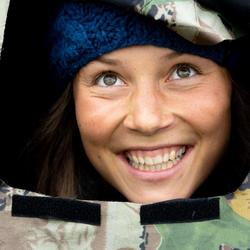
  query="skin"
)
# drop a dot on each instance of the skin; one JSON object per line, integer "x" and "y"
{"x": 153, "y": 108}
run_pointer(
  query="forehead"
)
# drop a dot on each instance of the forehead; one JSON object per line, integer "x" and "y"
{"x": 145, "y": 54}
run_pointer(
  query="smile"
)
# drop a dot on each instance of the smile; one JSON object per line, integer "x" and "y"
{"x": 156, "y": 160}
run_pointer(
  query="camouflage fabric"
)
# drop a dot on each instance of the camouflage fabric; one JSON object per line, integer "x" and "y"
{"x": 121, "y": 228}
{"x": 187, "y": 17}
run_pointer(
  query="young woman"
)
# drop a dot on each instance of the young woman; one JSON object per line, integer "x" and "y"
{"x": 153, "y": 113}
{"x": 145, "y": 112}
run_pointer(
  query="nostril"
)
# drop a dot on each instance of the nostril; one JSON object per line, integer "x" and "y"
{"x": 148, "y": 125}
{"x": 148, "y": 112}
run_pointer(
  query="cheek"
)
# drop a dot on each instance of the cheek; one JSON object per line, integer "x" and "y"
{"x": 210, "y": 113}
{"x": 90, "y": 122}
{"x": 96, "y": 119}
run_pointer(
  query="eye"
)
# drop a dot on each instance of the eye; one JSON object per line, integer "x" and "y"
{"x": 183, "y": 71}
{"x": 108, "y": 79}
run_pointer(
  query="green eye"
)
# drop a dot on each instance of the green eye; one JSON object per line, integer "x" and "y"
{"x": 183, "y": 71}
{"x": 108, "y": 79}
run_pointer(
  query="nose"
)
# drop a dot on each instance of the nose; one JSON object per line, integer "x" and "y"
{"x": 148, "y": 112}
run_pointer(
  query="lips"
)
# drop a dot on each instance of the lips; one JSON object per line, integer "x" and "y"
{"x": 155, "y": 160}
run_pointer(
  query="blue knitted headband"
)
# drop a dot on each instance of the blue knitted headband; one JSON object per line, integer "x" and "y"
{"x": 83, "y": 31}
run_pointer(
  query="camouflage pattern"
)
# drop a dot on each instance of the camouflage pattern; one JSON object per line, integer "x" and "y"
{"x": 187, "y": 17}
{"x": 121, "y": 229}
{"x": 240, "y": 199}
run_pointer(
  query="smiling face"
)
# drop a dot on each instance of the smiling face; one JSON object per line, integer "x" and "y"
{"x": 153, "y": 122}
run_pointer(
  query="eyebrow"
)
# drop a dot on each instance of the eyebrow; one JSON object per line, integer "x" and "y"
{"x": 114, "y": 62}
{"x": 171, "y": 55}
{"x": 108, "y": 61}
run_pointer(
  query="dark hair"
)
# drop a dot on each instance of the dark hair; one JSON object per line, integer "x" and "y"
{"x": 235, "y": 163}
{"x": 64, "y": 169}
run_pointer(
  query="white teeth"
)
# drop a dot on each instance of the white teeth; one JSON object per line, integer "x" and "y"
{"x": 134, "y": 165}
{"x": 152, "y": 168}
{"x": 170, "y": 164}
{"x": 179, "y": 152}
{"x": 148, "y": 161}
{"x": 134, "y": 158}
{"x": 172, "y": 155}
{"x": 157, "y": 163}
{"x": 166, "y": 157}
{"x": 159, "y": 167}
{"x": 183, "y": 150}
{"x": 163, "y": 166}
{"x": 141, "y": 160}
{"x": 158, "y": 159}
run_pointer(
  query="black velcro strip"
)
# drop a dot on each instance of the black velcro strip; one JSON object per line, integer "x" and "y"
{"x": 180, "y": 211}
{"x": 56, "y": 208}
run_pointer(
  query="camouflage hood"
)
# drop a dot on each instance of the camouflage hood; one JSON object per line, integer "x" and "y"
{"x": 187, "y": 17}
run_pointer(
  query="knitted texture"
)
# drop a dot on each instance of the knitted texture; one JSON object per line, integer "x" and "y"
{"x": 83, "y": 31}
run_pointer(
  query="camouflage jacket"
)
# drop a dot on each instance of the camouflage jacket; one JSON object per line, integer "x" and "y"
{"x": 56, "y": 223}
